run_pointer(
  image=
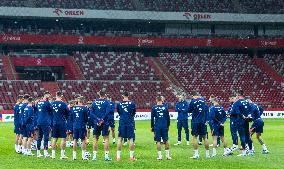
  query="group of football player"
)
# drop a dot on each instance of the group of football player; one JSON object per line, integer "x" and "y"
{"x": 37, "y": 120}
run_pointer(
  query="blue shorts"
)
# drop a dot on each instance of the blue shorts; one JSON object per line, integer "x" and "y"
{"x": 126, "y": 131}
{"x": 198, "y": 129}
{"x": 17, "y": 129}
{"x": 59, "y": 131}
{"x": 182, "y": 124}
{"x": 101, "y": 130}
{"x": 218, "y": 130}
{"x": 112, "y": 123}
{"x": 257, "y": 126}
{"x": 161, "y": 133}
{"x": 79, "y": 133}
{"x": 28, "y": 131}
{"x": 70, "y": 127}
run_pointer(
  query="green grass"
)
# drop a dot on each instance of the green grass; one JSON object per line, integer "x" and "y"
{"x": 146, "y": 152}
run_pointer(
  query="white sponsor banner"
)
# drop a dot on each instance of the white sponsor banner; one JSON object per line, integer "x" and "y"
{"x": 147, "y": 115}
{"x": 7, "y": 117}
{"x": 138, "y": 15}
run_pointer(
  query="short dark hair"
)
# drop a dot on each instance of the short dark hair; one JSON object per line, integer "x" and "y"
{"x": 240, "y": 92}
{"x": 102, "y": 93}
{"x": 125, "y": 93}
{"x": 194, "y": 93}
{"x": 26, "y": 96}
{"x": 20, "y": 97}
{"x": 30, "y": 99}
{"x": 77, "y": 96}
{"x": 159, "y": 98}
{"x": 59, "y": 94}
{"x": 80, "y": 99}
{"x": 46, "y": 92}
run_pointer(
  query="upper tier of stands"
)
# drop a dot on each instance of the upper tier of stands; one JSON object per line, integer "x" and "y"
{"x": 214, "y": 6}
{"x": 221, "y": 74}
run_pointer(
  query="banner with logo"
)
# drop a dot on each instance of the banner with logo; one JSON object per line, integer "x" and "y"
{"x": 147, "y": 116}
{"x": 139, "y": 15}
{"x": 139, "y": 41}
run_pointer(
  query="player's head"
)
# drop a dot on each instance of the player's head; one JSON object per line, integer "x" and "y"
{"x": 125, "y": 94}
{"x": 163, "y": 98}
{"x": 25, "y": 99}
{"x": 81, "y": 100}
{"x": 30, "y": 100}
{"x": 108, "y": 97}
{"x": 248, "y": 99}
{"x": 102, "y": 93}
{"x": 232, "y": 98}
{"x": 211, "y": 98}
{"x": 59, "y": 95}
{"x": 180, "y": 97}
{"x": 240, "y": 94}
{"x": 159, "y": 100}
{"x": 195, "y": 94}
{"x": 46, "y": 94}
{"x": 20, "y": 98}
{"x": 215, "y": 101}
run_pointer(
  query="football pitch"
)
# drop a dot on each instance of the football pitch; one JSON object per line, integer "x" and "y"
{"x": 146, "y": 152}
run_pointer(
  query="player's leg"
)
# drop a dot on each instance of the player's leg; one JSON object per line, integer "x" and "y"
{"x": 40, "y": 137}
{"x": 248, "y": 139}
{"x": 233, "y": 130}
{"x": 46, "y": 134}
{"x": 121, "y": 135}
{"x": 105, "y": 134}
{"x": 203, "y": 132}
{"x": 83, "y": 133}
{"x": 157, "y": 138}
{"x": 113, "y": 134}
{"x": 214, "y": 138}
{"x": 62, "y": 147}
{"x": 130, "y": 135}
{"x": 194, "y": 133}
{"x": 165, "y": 136}
{"x": 185, "y": 126}
{"x": 179, "y": 128}
{"x": 96, "y": 135}
{"x": 75, "y": 137}
{"x": 118, "y": 152}
{"x": 24, "y": 151}
{"x": 242, "y": 138}
{"x": 259, "y": 131}
{"x": 54, "y": 141}
{"x": 29, "y": 146}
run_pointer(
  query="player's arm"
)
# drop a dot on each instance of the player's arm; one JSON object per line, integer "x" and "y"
{"x": 133, "y": 110}
{"x": 152, "y": 119}
{"x": 224, "y": 117}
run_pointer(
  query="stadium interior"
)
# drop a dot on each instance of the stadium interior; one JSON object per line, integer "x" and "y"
{"x": 144, "y": 70}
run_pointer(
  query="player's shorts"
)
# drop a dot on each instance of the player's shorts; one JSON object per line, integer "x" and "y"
{"x": 79, "y": 133}
{"x": 59, "y": 131}
{"x": 161, "y": 133}
{"x": 101, "y": 130}
{"x": 257, "y": 126}
{"x": 217, "y": 130}
{"x": 198, "y": 129}
{"x": 182, "y": 124}
{"x": 17, "y": 129}
{"x": 112, "y": 123}
{"x": 126, "y": 131}
{"x": 69, "y": 128}
{"x": 28, "y": 131}
{"x": 90, "y": 124}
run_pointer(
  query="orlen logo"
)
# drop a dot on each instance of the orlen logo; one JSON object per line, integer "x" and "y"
{"x": 196, "y": 16}
{"x": 11, "y": 38}
{"x": 145, "y": 42}
{"x": 60, "y": 12}
{"x": 268, "y": 43}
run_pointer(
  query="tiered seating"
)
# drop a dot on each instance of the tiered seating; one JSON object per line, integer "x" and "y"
{"x": 2, "y": 74}
{"x": 214, "y": 6}
{"x": 143, "y": 93}
{"x": 11, "y": 89}
{"x": 115, "y": 66}
{"x": 221, "y": 74}
{"x": 276, "y": 61}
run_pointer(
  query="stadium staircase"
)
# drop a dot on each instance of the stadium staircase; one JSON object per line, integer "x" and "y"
{"x": 9, "y": 68}
{"x": 168, "y": 77}
{"x": 75, "y": 68}
{"x": 52, "y": 87}
{"x": 265, "y": 67}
